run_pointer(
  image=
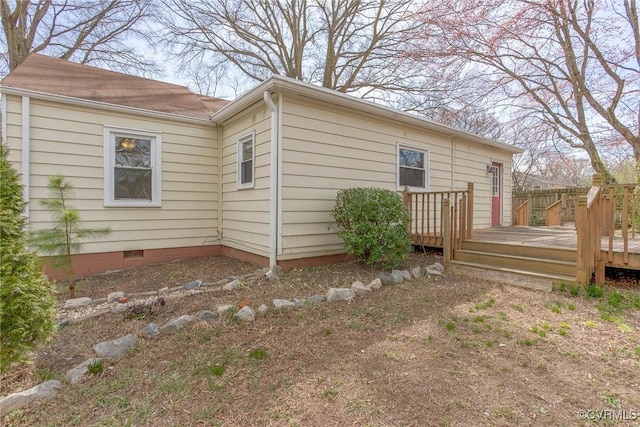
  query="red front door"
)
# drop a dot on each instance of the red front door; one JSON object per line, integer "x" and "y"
{"x": 496, "y": 194}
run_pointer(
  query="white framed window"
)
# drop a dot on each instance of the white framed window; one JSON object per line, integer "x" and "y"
{"x": 132, "y": 167}
{"x": 413, "y": 168}
{"x": 246, "y": 161}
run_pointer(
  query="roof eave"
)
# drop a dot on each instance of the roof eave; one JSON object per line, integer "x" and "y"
{"x": 279, "y": 83}
{"x": 9, "y": 90}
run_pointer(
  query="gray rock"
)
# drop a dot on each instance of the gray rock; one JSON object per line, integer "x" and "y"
{"x": 416, "y": 272}
{"x": 375, "y": 283}
{"x": 246, "y": 314}
{"x": 76, "y": 303}
{"x": 398, "y": 277}
{"x": 224, "y": 309}
{"x": 115, "y": 348}
{"x": 238, "y": 278}
{"x": 208, "y": 316}
{"x": 283, "y": 304}
{"x": 360, "y": 288}
{"x": 150, "y": 331}
{"x": 192, "y": 286}
{"x": 163, "y": 291}
{"x": 120, "y": 308}
{"x": 436, "y": 266}
{"x": 63, "y": 323}
{"x": 433, "y": 271}
{"x": 386, "y": 279}
{"x": 406, "y": 275}
{"x": 263, "y": 309}
{"x": 114, "y": 296}
{"x": 299, "y": 302}
{"x": 75, "y": 375}
{"x": 231, "y": 286}
{"x": 46, "y": 390}
{"x": 340, "y": 294}
{"x": 177, "y": 323}
{"x": 317, "y": 298}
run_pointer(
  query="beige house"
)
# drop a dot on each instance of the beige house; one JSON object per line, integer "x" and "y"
{"x": 176, "y": 175}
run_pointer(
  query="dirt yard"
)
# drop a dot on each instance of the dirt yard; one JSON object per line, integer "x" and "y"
{"x": 446, "y": 351}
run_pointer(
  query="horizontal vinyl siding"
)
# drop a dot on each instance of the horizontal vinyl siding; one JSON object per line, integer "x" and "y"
{"x": 325, "y": 150}
{"x": 68, "y": 140}
{"x": 245, "y": 217}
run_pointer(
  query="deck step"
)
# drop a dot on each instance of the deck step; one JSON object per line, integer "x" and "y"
{"x": 508, "y": 276}
{"x": 517, "y": 262}
{"x": 521, "y": 250}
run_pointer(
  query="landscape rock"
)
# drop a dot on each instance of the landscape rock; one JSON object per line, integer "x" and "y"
{"x": 76, "y": 303}
{"x": 283, "y": 304}
{"x": 207, "y": 316}
{"x": 299, "y": 302}
{"x": 75, "y": 375}
{"x": 150, "y": 331}
{"x": 64, "y": 322}
{"x": 398, "y": 277}
{"x": 375, "y": 284}
{"x": 317, "y": 298}
{"x": 46, "y": 390}
{"x": 436, "y": 267}
{"x": 115, "y": 348}
{"x": 263, "y": 309}
{"x": 114, "y": 296}
{"x": 340, "y": 294}
{"x": 231, "y": 286}
{"x": 192, "y": 286}
{"x": 386, "y": 279}
{"x": 224, "y": 309}
{"x": 360, "y": 288}
{"x": 177, "y": 323}
{"x": 246, "y": 314}
{"x": 416, "y": 272}
{"x": 406, "y": 275}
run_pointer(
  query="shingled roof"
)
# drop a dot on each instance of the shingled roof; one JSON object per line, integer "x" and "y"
{"x": 55, "y": 76}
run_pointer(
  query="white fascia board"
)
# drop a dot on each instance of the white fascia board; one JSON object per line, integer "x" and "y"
{"x": 99, "y": 105}
{"x": 280, "y": 84}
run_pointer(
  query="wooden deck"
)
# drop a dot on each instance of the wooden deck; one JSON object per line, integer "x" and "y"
{"x": 561, "y": 237}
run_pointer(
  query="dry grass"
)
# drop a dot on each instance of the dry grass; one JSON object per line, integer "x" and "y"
{"x": 449, "y": 352}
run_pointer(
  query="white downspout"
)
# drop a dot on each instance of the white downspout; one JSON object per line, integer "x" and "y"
{"x": 26, "y": 153}
{"x": 274, "y": 182}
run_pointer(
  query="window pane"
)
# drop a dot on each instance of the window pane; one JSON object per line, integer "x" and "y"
{"x": 247, "y": 150}
{"x": 412, "y": 177}
{"x": 132, "y": 183}
{"x": 132, "y": 152}
{"x": 246, "y": 172}
{"x": 411, "y": 158}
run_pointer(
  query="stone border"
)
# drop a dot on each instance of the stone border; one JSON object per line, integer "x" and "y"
{"x": 120, "y": 347}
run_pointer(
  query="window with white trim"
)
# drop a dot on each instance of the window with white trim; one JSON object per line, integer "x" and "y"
{"x": 246, "y": 161}
{"x": 132, "y": 167}
{"x": 413, "y": 168}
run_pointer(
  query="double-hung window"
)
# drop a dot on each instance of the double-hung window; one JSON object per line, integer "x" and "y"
{"x": 413, "y": 168}
{"x": 132, "y": 167}
{"x": 246, "y": 160}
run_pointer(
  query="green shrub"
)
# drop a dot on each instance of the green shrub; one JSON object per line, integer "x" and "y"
{"x": 373, "y": 224}
{"x": 26, "y": 297}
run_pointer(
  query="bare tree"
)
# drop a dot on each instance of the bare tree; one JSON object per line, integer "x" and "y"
{"x": 96, "y": 32}
{"x": 575, "y": 64}
{"x": 346, "y": 45}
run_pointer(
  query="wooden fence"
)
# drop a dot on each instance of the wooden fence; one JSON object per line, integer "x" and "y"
{"x": 531, "y": 207}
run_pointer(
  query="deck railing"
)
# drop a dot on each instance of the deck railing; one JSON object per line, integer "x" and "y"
{"x": 523, "y": 214}
{"x": 440, "y": 218}
{"x": 607, "y": 210}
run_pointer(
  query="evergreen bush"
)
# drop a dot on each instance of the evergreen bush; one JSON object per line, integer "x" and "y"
{"x": 373, "y": 223}
{"x": 27, "y": 305}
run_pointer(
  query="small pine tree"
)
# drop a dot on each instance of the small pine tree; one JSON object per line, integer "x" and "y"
{"x": 27, "y": 305}
{"x": 66, "y": 236}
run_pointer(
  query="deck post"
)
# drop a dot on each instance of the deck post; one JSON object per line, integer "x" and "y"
{"x": 583, "y": 271}
{"x": 446, "y": 231}
{"x": 470, "y": 186}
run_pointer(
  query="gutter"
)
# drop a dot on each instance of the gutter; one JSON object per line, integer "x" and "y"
{"x": 274, "y": 192}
